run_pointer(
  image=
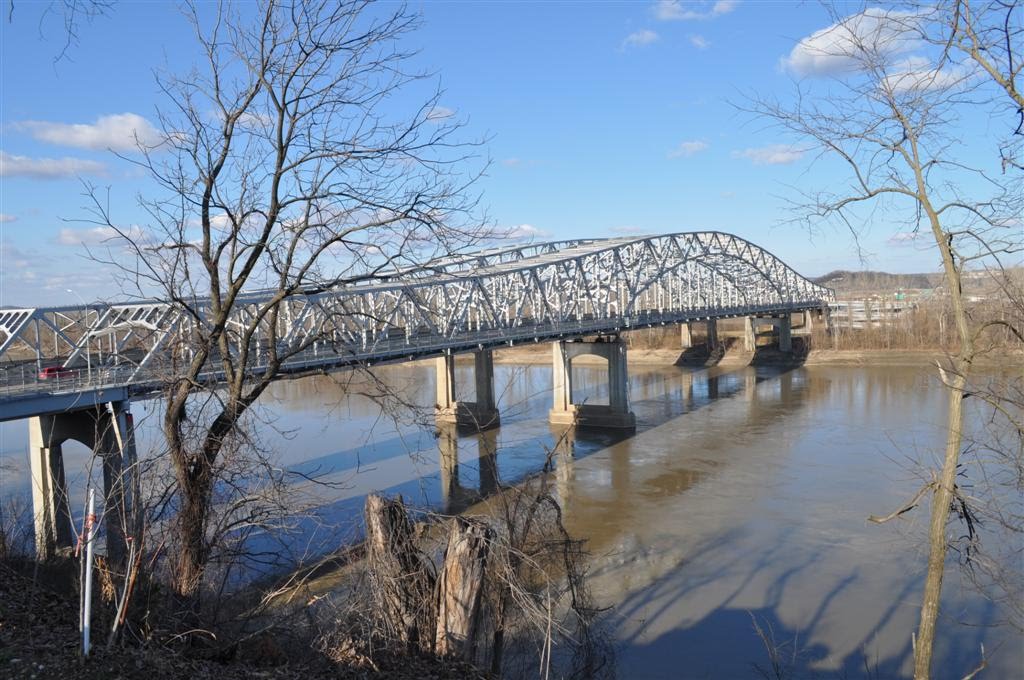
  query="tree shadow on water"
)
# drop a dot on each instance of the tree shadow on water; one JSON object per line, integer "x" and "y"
{"x": 713, "y": 616}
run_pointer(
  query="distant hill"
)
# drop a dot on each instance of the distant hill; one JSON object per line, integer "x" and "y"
{"x": 871, "y": 282}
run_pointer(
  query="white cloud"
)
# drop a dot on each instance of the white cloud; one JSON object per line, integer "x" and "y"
{"x": 118, "y": 132}
{"x": 95, "y": 236}
{"x": 47, "y": 168}
{"x": 687, "y": 149}
{"x": 699, "y": 41}
{"x": 440, "y": 113}
{"x": 841, "y": 47}
{"x": 674, "y": 10}
{"x": 773, "y": 154}
{"x": 920, "y": 74}
{"x": 523, "y": 232}
{"x": 640, "y": 38}
{"x": 5, "y": 218}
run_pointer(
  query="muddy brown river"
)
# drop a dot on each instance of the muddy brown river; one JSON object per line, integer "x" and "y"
{"x": 741, "y": 499}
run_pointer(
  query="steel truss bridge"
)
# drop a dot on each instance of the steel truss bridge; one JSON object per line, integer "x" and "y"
{"x": 497, "y": 297}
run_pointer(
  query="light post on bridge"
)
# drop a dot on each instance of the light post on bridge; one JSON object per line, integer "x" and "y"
{"x": 88, "y": 353}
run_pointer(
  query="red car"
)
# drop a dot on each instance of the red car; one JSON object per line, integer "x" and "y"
{"x": 51, "y": 372}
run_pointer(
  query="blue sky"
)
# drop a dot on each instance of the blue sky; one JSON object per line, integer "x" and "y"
{"x": 602, "y": 119}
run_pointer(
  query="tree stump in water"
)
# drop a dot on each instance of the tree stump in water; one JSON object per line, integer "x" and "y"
{"x": 401, "y": 577}
{"x": 460, "y": 587}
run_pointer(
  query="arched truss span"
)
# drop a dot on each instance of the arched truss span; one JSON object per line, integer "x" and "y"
{"x": 488, "y": 298}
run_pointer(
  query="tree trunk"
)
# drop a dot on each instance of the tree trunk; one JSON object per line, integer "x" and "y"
{"x": 942, "y": 500}
{"x": 401, "y": 578}
{"x": 192, "y": 553}
{"x": 460, "y": 587}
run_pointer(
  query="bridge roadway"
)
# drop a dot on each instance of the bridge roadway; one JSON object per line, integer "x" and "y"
{"x": 494, "y": 298}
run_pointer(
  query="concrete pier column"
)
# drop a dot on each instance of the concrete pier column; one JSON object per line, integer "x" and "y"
{"x": 618, "y": 382}
{"x": 480, "y": 414}
{"x": 750, "y": 333}
{"x": 561, "y": 380}
{"x": 115, "y": 444}
{"x": 49, "y": 489}
{"x": 445, "y": 382}
{"x": 784, "y": 326}
{"x": 483, "y": 373}
{"x": 808, "y": 321}
{"x": 712, "y": 334}
{"x": 685, "y": 335}
{"x": 132, "y": 492}
{"x": 617, "y": 413}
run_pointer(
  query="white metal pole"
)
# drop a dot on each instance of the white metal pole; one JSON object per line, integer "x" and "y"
{"x": 90, "y": 523}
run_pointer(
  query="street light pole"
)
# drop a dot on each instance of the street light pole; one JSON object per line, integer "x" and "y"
{"x": 88, "y": 353}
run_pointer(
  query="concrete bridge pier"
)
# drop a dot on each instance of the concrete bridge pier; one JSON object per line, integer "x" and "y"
{"x": 107, "y": 430}
{"x": 50, "y": 506}
{"x": 480, "y": 414}
{"x": 710, "y": 334}
{"x": 784, "y": 328}
{"x": 616, "y": 414}
{"x": 750, "y": 333}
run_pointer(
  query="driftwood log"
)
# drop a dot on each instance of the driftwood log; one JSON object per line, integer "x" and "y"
{"x": 460, "y": 588}
{"x": 401, "y": 577}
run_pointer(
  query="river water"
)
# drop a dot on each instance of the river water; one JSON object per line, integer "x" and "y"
{"x": 741, "y": 499}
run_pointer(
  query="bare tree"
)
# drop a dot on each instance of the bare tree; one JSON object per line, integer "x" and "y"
{"x": 71, "y": 13}
{"x": 890, "y": 112}
{"x": 990, "y": 34}
{"x": 291, "y": 162}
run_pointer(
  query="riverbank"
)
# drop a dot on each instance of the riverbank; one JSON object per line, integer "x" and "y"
{"x": 39, "y": 634}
